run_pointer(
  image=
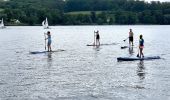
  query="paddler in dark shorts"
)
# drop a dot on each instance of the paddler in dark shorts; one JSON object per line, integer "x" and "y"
{"x": 97, "y": 38}
{"x": 131, "y": 37}
{"x": 141, "y": 45}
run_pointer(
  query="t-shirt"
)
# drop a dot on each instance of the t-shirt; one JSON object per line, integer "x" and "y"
{"x": 141, "y": 42}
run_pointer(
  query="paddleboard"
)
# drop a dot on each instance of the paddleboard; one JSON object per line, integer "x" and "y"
{"x": 91, "y": 45}
{"x": 137, "y": 58}
{"x": 41, "y": 52}
{"x": 102, "y": 44}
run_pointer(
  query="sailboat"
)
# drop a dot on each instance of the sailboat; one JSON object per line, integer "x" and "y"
{"x": 2, "y": 24}
{"x": 45, "y": 24}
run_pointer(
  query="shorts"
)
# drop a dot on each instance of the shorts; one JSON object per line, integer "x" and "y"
{"x": 97, "y": 37}
{"x": 141, "y": 47}
{"x": 131, "y": 39}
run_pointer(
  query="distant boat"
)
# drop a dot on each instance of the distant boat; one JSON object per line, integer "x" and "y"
{"x": 2, "y": 24}
{"x": 45, "y": 24}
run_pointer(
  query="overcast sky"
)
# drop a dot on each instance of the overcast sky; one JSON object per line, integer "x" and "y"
{"x": 158, "y": 0}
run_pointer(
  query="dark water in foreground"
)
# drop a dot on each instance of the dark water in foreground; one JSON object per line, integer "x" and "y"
{"x": 81, "y": 72}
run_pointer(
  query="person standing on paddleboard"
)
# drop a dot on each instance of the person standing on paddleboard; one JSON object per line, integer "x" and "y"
{"x": 141, "y": 45}
{"x": 49, "y": 41}
{"x": 131, "y": 37}
{"x": 97, "y": 38}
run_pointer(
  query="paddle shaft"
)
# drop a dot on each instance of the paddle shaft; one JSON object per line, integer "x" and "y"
{"x": 94, "y": 38}
{"x": 45, "y": 40}
{"x": 138, "y": 52}
{"x": 126, "y": 39}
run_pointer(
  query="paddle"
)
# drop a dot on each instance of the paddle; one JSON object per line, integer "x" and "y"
{"x": 45, "y": 40}
{"x": 138, "y": 53}
{"x": 94, "y": 39}
{"x": 125, "y": 39}
{"x": 123, "y": 47}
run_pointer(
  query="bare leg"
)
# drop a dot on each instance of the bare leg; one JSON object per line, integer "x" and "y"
{"x": 140, "y": 52}
{"x": 48, "y": 48}
{"x": 97, "y": 42}
{"x": 130, "y": 43}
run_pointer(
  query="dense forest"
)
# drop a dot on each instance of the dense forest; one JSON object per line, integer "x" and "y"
{"x": 84, "y": 12}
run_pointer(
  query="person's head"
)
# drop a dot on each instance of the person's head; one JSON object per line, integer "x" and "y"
{"x": 130, "y": 30}
{"x": 140, "y": 36}
{"x": 48, "y": 33}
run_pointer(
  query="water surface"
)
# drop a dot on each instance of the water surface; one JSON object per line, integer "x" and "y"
{"x": 81, "y": 72}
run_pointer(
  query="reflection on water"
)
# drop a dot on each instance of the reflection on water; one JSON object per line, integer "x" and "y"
{"x": 49, "y": 60}
{"x": 49, "y": 55}
{"x": 141, "y": 70}
{"x": 97, "y": 48}
{"x": 131, "y": 50}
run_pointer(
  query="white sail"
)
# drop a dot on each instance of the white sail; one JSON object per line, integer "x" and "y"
{"x": 45, "y": 24}
{"x": 2, "y": 24}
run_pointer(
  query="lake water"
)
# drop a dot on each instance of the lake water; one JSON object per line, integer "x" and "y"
{"x": 81, "y": 72}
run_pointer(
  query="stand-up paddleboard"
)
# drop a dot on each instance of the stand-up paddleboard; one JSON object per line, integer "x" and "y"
{"x": 41, "y": 52}
{"x": 107, "y": 44}
{"x": 91, "y": 45}
{"x": 137, "y": 58}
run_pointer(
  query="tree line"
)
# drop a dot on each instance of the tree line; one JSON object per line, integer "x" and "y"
{"x": 85, "y": 12}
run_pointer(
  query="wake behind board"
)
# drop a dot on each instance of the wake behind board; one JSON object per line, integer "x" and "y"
{"x": 42, "y": 52}
{"x": 137, "y": 58}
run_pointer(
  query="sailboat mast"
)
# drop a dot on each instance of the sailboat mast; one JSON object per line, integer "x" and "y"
{"x": 2, "y": 23}
{"x": 46, "y": 23}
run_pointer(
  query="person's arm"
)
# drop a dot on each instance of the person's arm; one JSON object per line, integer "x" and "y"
{"x": 95, "y": 33}
{"x": 46, "y": 38}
